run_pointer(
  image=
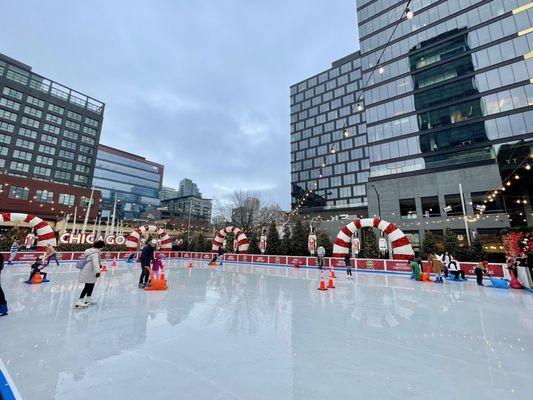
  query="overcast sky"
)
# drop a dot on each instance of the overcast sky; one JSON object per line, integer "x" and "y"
{"x": 201, "y": 86}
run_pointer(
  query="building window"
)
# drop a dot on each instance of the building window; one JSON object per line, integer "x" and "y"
{"x": 91, "y": 122}
{"x": 22, "y": 155}
{"x": 56, "y": 109}
{"x": 18, "y": 192}
{"x": 73, "y": 115}
{"x": 86, "y": 149}
{"x": 72, "y": 125}
{"x": 33, "y": 123}
{"x": 408, "y": 208}
{"x": 453, "y": 201}
{"x": 6, "y": 139}
{"x": 65, "y": 176}
{"x": 87, "y": 140}
{"x": 85, "y": 159}
{"x": 430, "y": 206}
{"x": 48, "y": 139}
{"x": 55, "y": 119}
{"x": 70, "y": 135}
{"x": 89, "y": 131}
{"x": 13, "y": 105}
{"x": 67, "y": 199}
{"x": 47, "y": 149}
{"x": 83, "y": 169}
{"x": 64, "y": 164}
{"x": 51, "y": 128}
{"x": 44, "y": 196}
{"x": 19, "y": 166}
{"x": 26, "y": 144}
{"x": 4, "y": 150}
{"x": 34, "y": 112}
{"x": 80, "y": 178}
{"x": 480, "y": 203}
{"x": 35, "y": 101}
{"x": 38, "y": 170}
{"x": 66, "y": 154}
{"x": 28, "y": 133}
{"x": 68, "y": 145}
{"x": 44, "y": 160}
{"x": 10, "y": 116}
{"x": 13, "y": 93}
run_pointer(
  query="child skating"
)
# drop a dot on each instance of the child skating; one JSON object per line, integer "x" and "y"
{"x": 157, "y": 266}
{"x": 37, "y": 268}
{"x": 348, "y": 264}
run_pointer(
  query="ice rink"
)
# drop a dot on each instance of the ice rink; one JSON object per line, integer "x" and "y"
{"x": 258, "y": 332}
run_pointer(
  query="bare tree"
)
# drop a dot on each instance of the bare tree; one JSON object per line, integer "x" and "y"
{"x": 248, "y": 210}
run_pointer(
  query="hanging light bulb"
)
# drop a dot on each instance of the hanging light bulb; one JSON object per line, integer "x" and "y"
{"x": 508, "y": 183}
{"x": 332, "y": 150}
{"x": 346, "y": 133}
{"x": 381, "y": 70}
{"x": 503, "y": 189}
{"x": 409, "y": 13}
{"x": 517, "y": 177}
{"x": 359, "y": 107}
{"x": 495, "y": 192}
{"x": 528, "y": 167}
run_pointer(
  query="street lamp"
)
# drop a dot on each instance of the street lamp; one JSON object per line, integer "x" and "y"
{"x": 379, "y": 204}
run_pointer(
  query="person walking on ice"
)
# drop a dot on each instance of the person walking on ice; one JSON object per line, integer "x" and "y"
{"x": 51, "y": 253}
{"x": 147, "y": 256}
{"x": 348, "y": 264}
{"x": 13, "y": 252}
{"x": 320, "y": 254}
{"x": 89, "y": 274}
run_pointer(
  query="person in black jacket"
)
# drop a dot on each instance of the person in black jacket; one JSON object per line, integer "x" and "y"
{"x": 147, "y": 256}
{"x": 3, "y": 304}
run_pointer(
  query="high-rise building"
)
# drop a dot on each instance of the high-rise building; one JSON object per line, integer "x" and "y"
{"x": 129, "y": 183}
{"x": 168, "y": 192}
{"x": 48, "y": 131}
{"x": 188, "y": 204}
{"x": 322, "y": 108}
{"x": 448, "y": 106}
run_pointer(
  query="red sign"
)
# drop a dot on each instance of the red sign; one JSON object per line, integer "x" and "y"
{"x": 277, "y": 260}
{"x": 398, "y": 266}
{"x": 260, "y": 259}
{"x": 370, "y": 264}
{"x": 301, "y": 261}
{"x": 230, "y": 257}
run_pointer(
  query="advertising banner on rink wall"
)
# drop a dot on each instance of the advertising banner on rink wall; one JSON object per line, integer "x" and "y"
{"x": 394, "y": 266}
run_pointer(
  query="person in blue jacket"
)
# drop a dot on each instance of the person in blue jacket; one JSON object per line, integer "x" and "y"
{"x": 147, "y": 256}
{"x": 3, "y": 303}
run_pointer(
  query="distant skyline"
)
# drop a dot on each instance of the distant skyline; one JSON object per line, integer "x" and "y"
{"x": 201, "y": 87}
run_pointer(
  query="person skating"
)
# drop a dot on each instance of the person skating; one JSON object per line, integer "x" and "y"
{"x": 220, "y": 257}
{"x": 348, "y": 264}
{"x": 13, "y": 252}
{"x": 51, "y": 253}
{"x": 3, "y": 303}
{"x": 436, "y": 265}
{"x": 415, "y": 268}
{"x": 37, "y": 268}
{"x": 446, "y": 260}
{"x": 480, "y": 269}
{"x": 320, "y": 254}
{"x": 89, "y": 274}
{"x": 158, "y": 268}
{"x": 147, "y": 256}
{"x": 454, "y": 269}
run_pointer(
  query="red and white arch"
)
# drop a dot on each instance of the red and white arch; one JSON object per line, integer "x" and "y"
{"x": 242, "y": 241}
{"x": 401, "y": 245}
{"x": 45, "y": 234}
{"x": 133, "y": 240}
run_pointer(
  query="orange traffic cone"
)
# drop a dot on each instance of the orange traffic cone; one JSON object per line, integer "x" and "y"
{"x": 37, "y": 278}
{"x": 104, "y": 268}
{"x": 322, "y": 283}
{"x": 163, "y": 277}
{"x": 332, "y": 272}
{"x": 331, "y": 283}
{"x": 114, "y": 263}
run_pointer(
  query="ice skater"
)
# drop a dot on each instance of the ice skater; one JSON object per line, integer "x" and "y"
{"x": 37, "y": 268}
{"x": 454, "y": 270}
{"x": 3, "y": 303}
{"x": 320, "y": 254}
{"x": 480, "y": 269}
{"x": 436, "y": 265}
{"x": 220, "y": 257}
{"x": 348, "y": 264}
{"x": 13, "y": 252}
{"x": 147, "y": 256}
{"x": 51, "y": 253}
{"x": 157, "y": 267}
{"x": 416, "y": 269}
{"x": 89, "y": 274}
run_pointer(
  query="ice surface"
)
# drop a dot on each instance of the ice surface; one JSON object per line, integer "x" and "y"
{"x": 243, "y": 332}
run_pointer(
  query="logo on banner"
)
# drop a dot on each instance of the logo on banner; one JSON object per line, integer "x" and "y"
{"x": 370, "y": 264}
{"x": 356, "y": 246}
{"x": 382, "y": 244}
{"x": 89, "y": 238}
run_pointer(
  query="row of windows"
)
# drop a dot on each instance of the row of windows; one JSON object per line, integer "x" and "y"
{"x": 335, "y": 88}
{"x": 116, "y": 176}
{"x": 42, "y": 196}
{"x": 483, "y": 35}
{"x": 324, "y": 76}
{"x": 102, "y": 155}
{"x": 377, "y": 7}
{"x": 128, "y": 171}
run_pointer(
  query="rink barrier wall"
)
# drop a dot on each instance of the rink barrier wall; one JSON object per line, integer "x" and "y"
{"x": 375, "y": 265}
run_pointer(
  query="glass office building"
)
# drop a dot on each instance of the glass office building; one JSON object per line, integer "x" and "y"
{"x": 449, "y": 101}
{"x": 48, "y": 132}
{"x": 129, "y": 180}
{"x": 321, "y": 107}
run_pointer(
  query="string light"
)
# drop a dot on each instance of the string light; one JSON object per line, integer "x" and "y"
{"x": 409, "y": 13}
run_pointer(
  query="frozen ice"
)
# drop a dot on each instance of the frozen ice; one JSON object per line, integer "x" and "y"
{"x": 258, "y": 332}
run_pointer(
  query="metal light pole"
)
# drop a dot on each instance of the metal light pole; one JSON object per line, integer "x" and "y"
{"x": 379, "y": 203}
{"x": 74, "y": 220}
{"x": 113, "y": 217}
{"x": 464, "y": 213}
{"x": 189, "y": 224}
{"x": 84, "y": 228}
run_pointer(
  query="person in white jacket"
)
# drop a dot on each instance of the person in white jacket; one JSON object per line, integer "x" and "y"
{"x": 89, "y": 274}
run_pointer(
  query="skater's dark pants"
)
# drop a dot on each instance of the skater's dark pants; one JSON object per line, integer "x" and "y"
{"x": 35, "y": 272}
{"x": 349, "y": 271}
{"x": 479, "y": 276}
{"x": 458, "y": 274}
{"x": 54, "y": 256}
{"x": 145, "y": 275}
{"x": 87, "y": 290}
{"x": 2, "y": 296}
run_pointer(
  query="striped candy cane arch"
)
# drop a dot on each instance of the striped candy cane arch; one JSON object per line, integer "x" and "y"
{"x": 242, "y": 241}
{"x": 45, "y": 234}
{"x": 133, "y": 240}
{"x": 401, "y": 246}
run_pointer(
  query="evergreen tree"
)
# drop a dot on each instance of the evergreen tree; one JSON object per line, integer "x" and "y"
{"x": 451, "y": 244}
{"x": 428, "y": 245}
{"x": 299, "y": 240}
{"x": 273, "y": 241}
{"x": 254, "y": 242}
{"x": 286, "y": 246}
{"x": 476, "y": 251}
{"x": 370, "y": 243}
{"x": 7, "y": 238}
{"x": 324, "y": 240}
